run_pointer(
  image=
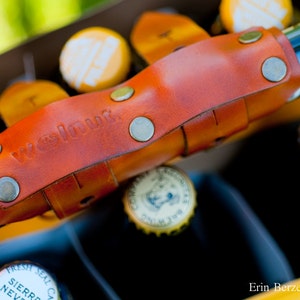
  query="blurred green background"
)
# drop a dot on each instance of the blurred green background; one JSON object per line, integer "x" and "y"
{"x": 23, "y": 19}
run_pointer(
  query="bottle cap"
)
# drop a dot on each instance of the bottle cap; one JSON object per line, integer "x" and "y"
{"x": 161, "y": 201}
{"x": 239, "y": 15}
{"x": 95, "y": 58}
{"x": 22, "y": 98}
{"x": 27, "y": 280}
{"x": 171, "y": 32}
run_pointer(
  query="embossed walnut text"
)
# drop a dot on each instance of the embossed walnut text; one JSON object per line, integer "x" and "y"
{"x": 63, "y": 133}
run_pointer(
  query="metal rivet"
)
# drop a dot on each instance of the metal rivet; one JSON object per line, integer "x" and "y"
{"x": 9, "y": 189}
{"x": 141, "y": 129}
{"x": 122, "y": 94}
{"x": 0, "y": 148}
{"x": 274, "y": 69}
{"x": 295, "y": 96}
{"x": 250, "y": 37}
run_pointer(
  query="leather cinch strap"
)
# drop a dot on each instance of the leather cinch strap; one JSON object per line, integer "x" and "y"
{"x": 75, "y": 151}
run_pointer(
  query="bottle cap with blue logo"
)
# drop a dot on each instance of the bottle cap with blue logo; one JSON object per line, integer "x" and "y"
{"x": 27, "y": 280}
{"x": 161, "y": 201}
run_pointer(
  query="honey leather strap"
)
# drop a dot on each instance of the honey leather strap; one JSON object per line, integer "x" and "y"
{"x": 73, "y": 152}
{"x": 173, "y": 31}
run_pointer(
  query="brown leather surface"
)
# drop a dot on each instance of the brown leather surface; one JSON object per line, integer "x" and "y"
{"x": 80, "y": 149}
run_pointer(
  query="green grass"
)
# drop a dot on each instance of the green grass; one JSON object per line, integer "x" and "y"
{"x": 23, "y": 19}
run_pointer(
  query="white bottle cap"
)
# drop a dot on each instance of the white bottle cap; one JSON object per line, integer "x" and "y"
{"x": 27, "y": 280}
